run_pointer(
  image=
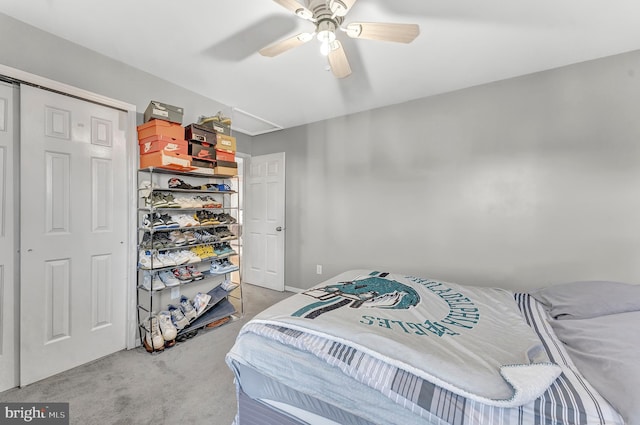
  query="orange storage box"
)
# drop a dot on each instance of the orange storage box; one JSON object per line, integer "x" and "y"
{"x": 160, "y": 128}
{"x": 162, "y": 159}
{"x": 225, "y": 155}
{"x": 163, "y": 143}
{"x": 226, "y": 143}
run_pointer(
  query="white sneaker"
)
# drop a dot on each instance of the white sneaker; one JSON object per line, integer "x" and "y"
{"x": 177, "y": 317}
{"x": 187, "y": 308}
{"x": 177, "y": 257}
{"x": 151, "y": 282}
{"x": 144, "y": 260}
{"x": 164, "y": 260}
{"x": 167, "y": 277}
{"x": 169, "y": 331}
{"x": 200, "y": 302}
{"x": 153, "y": 340}
{"x": 228, "y": 286}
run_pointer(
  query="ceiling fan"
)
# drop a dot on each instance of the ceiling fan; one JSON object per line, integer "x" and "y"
{"x": 328, "y": 15}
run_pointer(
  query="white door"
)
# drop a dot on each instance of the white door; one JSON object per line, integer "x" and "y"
{"x": 8, "y": 242}
{"x": 73, "y": 232}
{"x": 264, "y": 233}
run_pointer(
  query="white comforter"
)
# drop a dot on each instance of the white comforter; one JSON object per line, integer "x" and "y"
{"x": 469, "y": 340}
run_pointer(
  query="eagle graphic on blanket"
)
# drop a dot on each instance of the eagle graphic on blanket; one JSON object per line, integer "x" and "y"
{"x": 470, "y": 340}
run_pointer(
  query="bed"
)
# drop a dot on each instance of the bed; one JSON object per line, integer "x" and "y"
{"x": 368, "y": 347}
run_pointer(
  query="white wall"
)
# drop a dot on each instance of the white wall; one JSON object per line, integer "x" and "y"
{"x": 520, "y": 183}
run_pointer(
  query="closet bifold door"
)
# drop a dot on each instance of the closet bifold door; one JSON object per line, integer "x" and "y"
{"x": 73, "y": 203}
{"x": 9, "y": 330}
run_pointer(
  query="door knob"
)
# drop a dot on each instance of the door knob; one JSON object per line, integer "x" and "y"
{"x": 279, "y": 229}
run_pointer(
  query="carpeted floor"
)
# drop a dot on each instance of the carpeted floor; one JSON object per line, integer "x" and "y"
{"x": 187, "y": 384}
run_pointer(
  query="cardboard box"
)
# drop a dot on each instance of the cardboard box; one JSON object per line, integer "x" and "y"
{"x": 163, "y": 111}
{"x": 200, "y": 133}
{"x": 225, "y": 155}
{"x": 202, "y": 163}
{"x": 228, "y": 164}
{"x": 202, "y": 150}
{"x": 161, "y": 159}
{"x": 160, "y": 128}
{"x": 225, "y": 171}
{"x": 163, "y": 143}
{"x": 226, "y": 143}
{"x": 216, "y": 125}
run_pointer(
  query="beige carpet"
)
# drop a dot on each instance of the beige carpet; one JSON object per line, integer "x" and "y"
{"x": 187, "y": 384}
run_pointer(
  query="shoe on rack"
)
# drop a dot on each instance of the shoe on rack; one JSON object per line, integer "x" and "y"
{"x": 144, "y": 260}
{"x": 153, "y": 340}
{"x": 167, "y": 277}
{"x": 216, "y": 267}
{"x": 153, "y": 221}
{"x": 176, "y": 183}
{"x": 156, "y": 200}
{"x": 177, "y": 317}
{"x": 200, "y": 302}
{"x": 228, "y": 286}
{"x": 195, "y": 273}
{"x": 182, "y": 274}
{"x": 170, "y": 201}
{"x": 167, "y": 328}
{"x": 163, "y": 260}
{"x": 177, "y": 238}
{"x": 187, "y": 308}
{"x": 179, "y": 257}
{"x": 151, "y": 281}
{"x": 169, "y": 222}
{"x": 190, "y": 237}
{"x": 193, "y": 257}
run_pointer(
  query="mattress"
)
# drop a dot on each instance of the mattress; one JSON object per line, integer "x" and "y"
{"x": 303, "y": 388}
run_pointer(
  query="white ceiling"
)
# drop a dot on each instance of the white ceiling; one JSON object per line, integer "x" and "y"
{"x": 209, "y": 47}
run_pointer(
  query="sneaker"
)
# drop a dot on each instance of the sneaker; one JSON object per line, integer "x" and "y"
{"x": 167, "y": 328}
{"x": 170, "y": 201}
{"x": 228, "y": 286}
{"x": 201, "y": 302}
{"x": 176, "y": 183}
{"x": 182, "y": 274}
{"x": 187, "y": 308}
{"x": 163, "y": 260}
{"x": 194, "y": 272}
{"x": 177, "y": 238}
{"x": 190, "y": 237}
{"x": 144, "y": 260}
{"x": 153, "y": 221}
{"x": 153, "y": 340}
{"x": 177, "y": 317}
{"x": 193, "y": 257}
{"x": 151, "y": 282}
{"x": 216, "y": 267}
{"x": 169, "y": 223}
{"x": 156, "y": 200}
{"x": 179, "y": 257}
{"x": 168, "y": 278}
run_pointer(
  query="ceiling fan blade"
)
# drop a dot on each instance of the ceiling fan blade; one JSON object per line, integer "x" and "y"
{"x": 338, "y": 61}
{"x": 340, "y": 7}
{"x": 400, "y": 33}
{"x": 284, "y": 45}
{"x": 296, "y": 8}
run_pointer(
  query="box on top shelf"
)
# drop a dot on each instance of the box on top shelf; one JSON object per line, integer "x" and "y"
{"x": 218, "y": 123}
{"x": 202, "y": 150}
{"x": 226, "y": 143}
{"x": 160, "y": 128}
{"x": 225, "y": 171}
{"x": 162, "y": 159}
{"x": 227, "y": 164}
{"x": 163, "y": 111}
{"x": 163, "y": 143}
{"x": 200, "y": 133}
{"x": 202, "y": 163}
{"x": 225, "y": 155}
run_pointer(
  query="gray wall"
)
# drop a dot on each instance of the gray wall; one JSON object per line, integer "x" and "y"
{"x": 520, "y": 183}
{"x": 32, "y": 50}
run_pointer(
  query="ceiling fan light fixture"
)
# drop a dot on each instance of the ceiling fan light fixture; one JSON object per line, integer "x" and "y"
{"x": 326, "y": 36}
{"x": 340, "y": 7}
{"x": 304, "y": 13}
{"x": 354, "y": 30}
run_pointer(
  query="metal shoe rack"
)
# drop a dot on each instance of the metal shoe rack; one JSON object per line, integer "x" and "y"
{"x": 224, "y": 304}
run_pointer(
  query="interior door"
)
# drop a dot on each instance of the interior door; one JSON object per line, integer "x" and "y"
{"x": 8, "y": 244}
{"x": 73, "y": 232}
{"x": 264, "y": 226}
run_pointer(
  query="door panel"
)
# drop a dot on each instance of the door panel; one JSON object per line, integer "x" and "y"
{"x": 264, "y": 221}
{"x": 73, "y": 232}
{"x": 8, "y": 242}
